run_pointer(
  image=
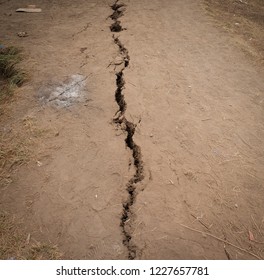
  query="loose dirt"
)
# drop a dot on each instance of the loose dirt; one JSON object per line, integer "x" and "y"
{"x": 139, "y": 134}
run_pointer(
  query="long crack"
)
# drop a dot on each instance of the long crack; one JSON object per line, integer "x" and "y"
{"x": 129, "y": 127}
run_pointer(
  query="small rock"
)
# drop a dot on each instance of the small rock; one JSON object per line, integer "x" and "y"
{"x": 22, "y": 34}
{"x": 39, "y": 163}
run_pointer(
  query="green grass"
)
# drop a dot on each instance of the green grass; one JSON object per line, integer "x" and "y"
{"x": 11, "y": 75}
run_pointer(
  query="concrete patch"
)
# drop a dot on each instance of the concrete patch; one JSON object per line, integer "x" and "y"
{"x": 65, "y": 94}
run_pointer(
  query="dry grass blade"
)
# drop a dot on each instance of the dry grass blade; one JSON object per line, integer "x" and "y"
{"x": 16, "y": 244}
{"x": 222, "y": 240}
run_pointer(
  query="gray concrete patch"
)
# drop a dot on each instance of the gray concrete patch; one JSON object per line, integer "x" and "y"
{"x": 64, "y": 94}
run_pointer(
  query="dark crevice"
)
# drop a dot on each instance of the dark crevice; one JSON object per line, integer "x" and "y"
{"x": 123, "y": 51}
{"x": 117, "y": 14}
{"x": 116, "y": 26}
{"x": 120, "y": 119}
{"x": 116, "y": 6}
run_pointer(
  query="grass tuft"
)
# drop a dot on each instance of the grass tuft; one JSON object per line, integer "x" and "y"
{"x": 11, "y": 75}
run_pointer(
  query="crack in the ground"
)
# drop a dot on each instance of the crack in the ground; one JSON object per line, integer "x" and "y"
{"x": 87, "y": 25}
{"x": 129, "y": 127}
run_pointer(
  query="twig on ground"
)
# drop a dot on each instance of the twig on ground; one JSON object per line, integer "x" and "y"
{"x": 222, "y": 240}
{"x": 201, "y": 222}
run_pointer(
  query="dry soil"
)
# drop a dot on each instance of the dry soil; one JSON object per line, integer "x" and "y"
{"x": 145, "y": 145}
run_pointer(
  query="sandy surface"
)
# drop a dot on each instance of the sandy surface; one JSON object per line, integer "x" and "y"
{"x": 169, "y": 169}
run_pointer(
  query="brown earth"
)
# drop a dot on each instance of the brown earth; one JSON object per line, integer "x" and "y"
{"x": 178, "y": 173}
{"x": 245, "y": 20}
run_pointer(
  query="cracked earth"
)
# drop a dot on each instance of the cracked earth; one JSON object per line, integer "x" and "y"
{"x": 145, "y": 132}
{"x": 129, "y": 127}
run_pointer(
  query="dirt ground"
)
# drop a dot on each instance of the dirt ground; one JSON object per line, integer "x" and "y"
{"x": 245, "y": 20}
{"x": 141, "y": 144}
